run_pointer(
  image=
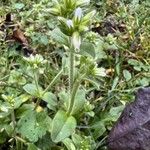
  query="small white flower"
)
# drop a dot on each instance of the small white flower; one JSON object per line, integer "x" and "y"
{"x": 37, "y": 59}
{"x": 78, "y": 13}
{"x": 69, "y": 23}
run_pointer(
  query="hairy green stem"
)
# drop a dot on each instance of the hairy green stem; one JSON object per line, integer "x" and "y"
{"x": 73, "y": 94}
{"x": 36, "y": 80}
{"x": 14, "y": 128}
{"x": 49, "y": 86}
{"x": 71, "y": 70}
{"x": 53, "y": 81}
{"x": 13, "y": 122}
{"x": 72, "y": 91}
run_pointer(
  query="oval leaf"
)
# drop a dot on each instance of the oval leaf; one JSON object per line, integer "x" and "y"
{"x": 69, "y": 144}
{"x": 59, "y": 37}
{"x": 79, "y": 102}
{"x": 32, "y": 147}
{"x": 51, "y": 99}
{"x": 19, "y": 5}
{"x": 62, "y": 126}
{"x": 127, "y": 75}
{"x": 32, "y": 89}
{"x": 87, "y": 49}
{"x": 33, "y": 125}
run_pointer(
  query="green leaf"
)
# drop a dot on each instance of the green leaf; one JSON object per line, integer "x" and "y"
{"x": 87, "y": 18}
{"x": 79, "y": 102}
{"x": 19, "y": 5}
{"x": 77, "y": 139}
{"x": 127, "y": 75}
{"x": 59, "y": 37}
{"x": 62, "y": 126}
{"x": 69, "y": 144}
{"x": 133, "y": 62}
{"x": 115, "y": 82}
{"x": 32, "y": 147}
{"x": 22, "y": 110}
{"x": 9, "y": 129}
{"x": 115, "y": 112}
{"x": 34, "y": 125}
{"x": 44, "y": 39}
{"x": 45, "y": 143}
{"x": 32, "y": 89}
{"x": 82, "y": 2}
{"x": 20, "y": 100}
{"x": 87, "y": 49}
{"x": 51, "y": 100}
{"x": 64, "y": 99}
{"x": 99, "y": 129}
{"x": 16, "y": 78}
{"x": 94, "y": 82}
{"x": 99, "y": 50}
{"x": 143, "y": 81}
{"x": 54, "y": 11}
{"x": 5, "y": 110}
{"x": 3, "y": 137}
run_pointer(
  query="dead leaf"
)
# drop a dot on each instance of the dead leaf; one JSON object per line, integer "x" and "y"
{"x": 20, "y": 37}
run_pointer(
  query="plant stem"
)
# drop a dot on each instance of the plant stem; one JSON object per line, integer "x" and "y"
{"x": 49, "y": 86}
{"x": 37, "y": 86}
{"x": 17, "y": 144}
{"x": 72, "y": 91}
{"x": 37, "y": 103}
{"x": 36, "y": 81}
{"x": 73, "y": 94}
{"x": 20, "y": 139}
{"x": 53, "y": 81}
{"x": 14, "y": 126}
{"x": 13, "y": 121}
{"x": 71, "y": 70}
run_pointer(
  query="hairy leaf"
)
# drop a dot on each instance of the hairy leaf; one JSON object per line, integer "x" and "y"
{"x": 51, "y": 100}
{"x": 59, "y": 37}
{"x": 62, "y": 126}
{"x": 79, "y": 102}
{"x": 34, "y": 125}
{"x": 127, "y": 75}
{"x": 87, "y": 49}
{"x": 18, "y": 5}
{"x": 32, "y": 147}
{"x": 32, "y": 89}
{"x": 69, "y": 144}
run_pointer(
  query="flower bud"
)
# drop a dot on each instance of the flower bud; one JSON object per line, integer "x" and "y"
{"x": 54, "y": 11}
{"x": 69, "y": 23}
{"x": 78, "y": 15}
{"x": 86, "y": 19}
{"x": 76, "y": 41}
{"x": 100, "y": 72}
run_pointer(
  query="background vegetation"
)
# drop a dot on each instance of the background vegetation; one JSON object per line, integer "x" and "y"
{"x": 68, "y": 68}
